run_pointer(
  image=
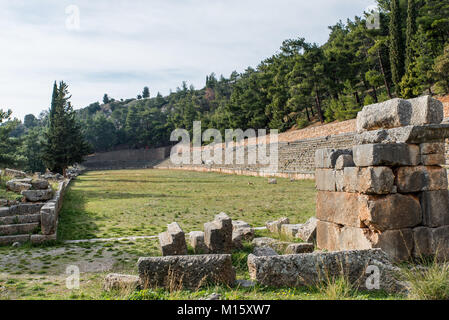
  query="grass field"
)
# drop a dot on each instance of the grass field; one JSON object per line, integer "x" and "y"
{"x": 107, "y": 204}
{"x": 141, "y": 202}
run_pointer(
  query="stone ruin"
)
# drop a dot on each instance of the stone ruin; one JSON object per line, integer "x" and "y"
{"x": 390, "y": 190}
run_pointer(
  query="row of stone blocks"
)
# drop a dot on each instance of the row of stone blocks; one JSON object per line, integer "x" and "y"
{"x": 389, "y": 191}
{"x": 220, "y": 236}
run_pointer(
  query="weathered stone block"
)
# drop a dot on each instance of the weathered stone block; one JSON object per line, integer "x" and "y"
{"x": 42, "y": 238}
{"x": 290, "y": 230}
{"x": 186, "y": 272}
{"x": 218, "y": 234}
{"x": 394, "y": 211}
{"x": 369, "y": 180}
{"x": 398, "y": 113}
{"x": 398, "y": 244}
{"x": 296, "y": 248}
{"x": 40, "y": 184}
{"x": 432, "y": 147}
{"x": 15, "y": 173}
{"x": 339, "y": 180}
{"x": 408, "y": 134}
{"x": 343, "y": 161}
{"x": 238, "y": 224}
{"x": 264, "y": 251}
{"x": 421, "y": 178}
{"x": 197, "y": 242}
{"x": 307, "y": 231}
{"x": 434, "y": 159}
{"x": 429, "y": 242}
{"x": 325, "y": 179}
{"x": 338, "y": 207}
{"x": 435, "y": 208}
{"x": 272, "y": 243}
{"x": 37, "y": 195}
{"x": 17, "y": 186}
{"x": 389, "y": 114}
{"x": 173, "y": 241}
{"x": 275, "y": 226}
{"x": 327, "y": 158}
{"x": 115, "y": 281}
{"x": 426, "y": 110}
{"x": 240, "y": 235}
{"x": 310, "y": 269}
{"x": 398, "y": 154}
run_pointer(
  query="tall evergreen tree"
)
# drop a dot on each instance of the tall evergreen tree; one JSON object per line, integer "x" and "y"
{"x": 64, "y": 143}
{"x": 396, "y": 47}
{"x": 411, "y": 31}
{"x": 146, "y": 92}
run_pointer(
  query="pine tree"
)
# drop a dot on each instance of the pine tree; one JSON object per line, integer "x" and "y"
{"x": 106, "y": 99}
{"x": 396, "y": 47}
{"x": 411, "y": 31}
{"x": 146, "y": 92}
{"x": 64, "y": 143}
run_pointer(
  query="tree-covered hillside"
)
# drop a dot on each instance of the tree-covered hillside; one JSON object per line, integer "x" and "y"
{"x": 408, "y": 55}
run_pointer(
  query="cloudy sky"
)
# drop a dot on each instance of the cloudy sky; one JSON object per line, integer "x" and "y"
{"x": 123, "y": 45}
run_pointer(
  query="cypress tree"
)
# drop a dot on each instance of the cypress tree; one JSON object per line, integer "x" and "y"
{"x": 396, "y": 47}
{"x": 64, "y": 143}
{"x": 411, "y": 31}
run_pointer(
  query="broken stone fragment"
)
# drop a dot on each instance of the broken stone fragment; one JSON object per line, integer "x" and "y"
{"x": 37, "y": 195}
{"x": 307, "y": 231}
{"x": 343, "y": 161}
{"x": 173, "y": 242}
{"x": 275, "y": 226}
{"x": 327, "y": 158}
{"x": 296, "y": 248}
{"x": 115, "y": 281}
{"x": 218, "y": 234}
{"x": 197, "y": 242}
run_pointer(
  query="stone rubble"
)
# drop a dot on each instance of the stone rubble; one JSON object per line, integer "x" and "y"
{"x": 173, "y": 242}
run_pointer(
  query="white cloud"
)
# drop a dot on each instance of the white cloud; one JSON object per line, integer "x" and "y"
{"x": 125, "y": 45}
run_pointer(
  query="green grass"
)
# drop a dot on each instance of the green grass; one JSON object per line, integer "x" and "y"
{"x": 4, "y": 193}
{"x": 142, "y": 202}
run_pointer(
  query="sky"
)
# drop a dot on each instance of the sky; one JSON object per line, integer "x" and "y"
{"x": 119, "y": 46}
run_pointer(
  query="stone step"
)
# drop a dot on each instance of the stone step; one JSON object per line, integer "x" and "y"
{"x": 20, "y": 219}
{"x": 16, "y": 229}
{"x": 21, "y": 209}
{"x": 5, "y": 240}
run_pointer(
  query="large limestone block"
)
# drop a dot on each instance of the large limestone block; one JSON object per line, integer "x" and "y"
{"x": 338, "y": 207}
{"x": 327, "y": 158}
{"x": 197, "y": 242}
{"x": 272, "y": 243}
{"x": 307, "y": 231}
{"x": 40, "y": 184}
{"x": 173, "y": 242}
{"x": 432, "y": 147}
{"x": 434, "y": 159}
{"x": 393, "y": 211}
{"x": 431, "y": 242}
{"x": 115, "y": 281}
{"x": 18, "y": 185}
{"x": 240, "y": 235}
{"x": 369, "y": 180}
{"x": 290, "y": 230}
{"x": 325, "y": 179}
{"x": 408, "y": 134}
{"x": 15, "y": 173}
{"x": 37, "y": 195}
{"x": 48, "y": 218}
{"x": 426, "y": 110}
{"x": 421, "y": 178}
{"x": 309, "y": 269}
{"x": 275, "y": 226}
{"x": 398, "y": 154}
{"x": 186, "y": 272}
{"x": 435, "y": 208}
{"x": 296, "y": 248}
{"x": 389, "y": 114}
{"x": 218, "y": 234}
{"x": 398, "y": 244}
{"x": 398, "y": 113}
